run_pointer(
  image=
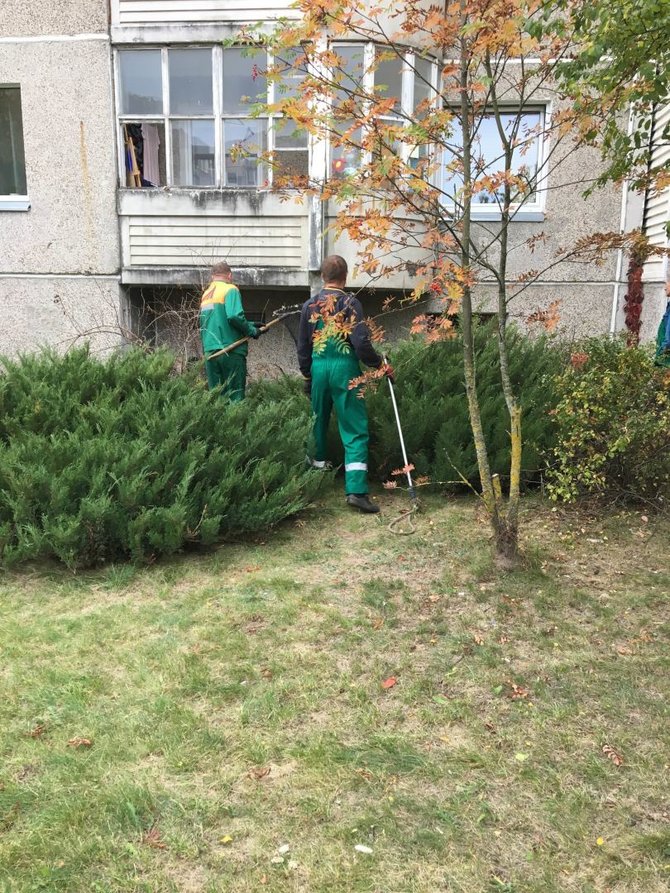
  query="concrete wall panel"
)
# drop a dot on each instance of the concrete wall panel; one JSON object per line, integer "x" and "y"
{"x": 59, "y": 313}
{"x": 66, "y": 96}
{"x": 24, "y": 18}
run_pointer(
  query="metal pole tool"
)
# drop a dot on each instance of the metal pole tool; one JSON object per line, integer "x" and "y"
{"x": 406, "y": 515}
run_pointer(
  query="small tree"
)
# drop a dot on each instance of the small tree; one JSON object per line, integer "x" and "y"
{"x": 620, "y": 64}
{"x": 431, "y": 113}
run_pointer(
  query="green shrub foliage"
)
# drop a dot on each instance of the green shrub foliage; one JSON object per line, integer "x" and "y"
{"x": 106, "y": 460}
{"x": 613, "y": 425}
{"x": 430, "y": 390}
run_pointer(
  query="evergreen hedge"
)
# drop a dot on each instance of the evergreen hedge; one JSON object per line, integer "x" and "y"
{"x": 122, "y": 459}
{"x": 430, "y": 390}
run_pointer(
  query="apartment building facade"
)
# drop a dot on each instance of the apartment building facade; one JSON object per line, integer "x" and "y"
{"x": 120, "y": 181}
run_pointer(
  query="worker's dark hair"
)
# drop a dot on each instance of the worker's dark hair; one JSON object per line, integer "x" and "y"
{"x": 221, "y": 269}
{"x": 334, "y": 269}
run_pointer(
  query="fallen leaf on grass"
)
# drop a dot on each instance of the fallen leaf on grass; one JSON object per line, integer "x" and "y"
{"x": 152, "y": 838}
{"x": 478, "y": 639}
{"x": 38, "y": 731}
{"x": 252, "y": 568}
{"x": 365, "y": 773}
{"x": 517, "y": 692}
{"x": 378, "y": 622}
{"x": 600, "y": 841}
{"x": 612, "y": 755}
{"x": 283, "y": 849}
{"x": 259, "y": 772}
{"x": 80, "y": 742}
{"x": 361, "y": 848}
{"x": 226, "y": 839}
{"x": 521, "y": 757}
{"x": 623, "y": 650}
{"x": 266, "y": 673}
{"x": 390, "y": 682}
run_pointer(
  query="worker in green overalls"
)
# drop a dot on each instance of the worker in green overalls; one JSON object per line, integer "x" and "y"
{"x": 222, "y": 322}
{"x": 333, "y": 341}
{"x": 663, "y": 335}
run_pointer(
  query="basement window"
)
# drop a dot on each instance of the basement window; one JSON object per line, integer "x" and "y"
{"x": 13, "y": 183}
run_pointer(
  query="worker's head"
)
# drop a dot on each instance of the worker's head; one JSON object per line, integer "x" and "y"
{"x": 334, "y": 270}
{"x": 222, "y": 271}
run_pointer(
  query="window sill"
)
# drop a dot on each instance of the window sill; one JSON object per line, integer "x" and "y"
{"x": 9, "y": 203}
{"x": 525, "y": 215}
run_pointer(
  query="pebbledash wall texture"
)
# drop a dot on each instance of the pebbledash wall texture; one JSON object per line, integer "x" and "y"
{"x": 59, "y": 259}
{"x": 81, "y": 246}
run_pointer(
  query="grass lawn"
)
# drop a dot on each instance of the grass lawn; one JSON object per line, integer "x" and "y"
{"x": 219, "y": 722}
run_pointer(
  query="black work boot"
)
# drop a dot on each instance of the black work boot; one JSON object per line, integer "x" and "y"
{"x": 362, "y": 502}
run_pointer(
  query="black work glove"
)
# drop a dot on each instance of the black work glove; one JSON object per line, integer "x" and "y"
{"x": 307, "y": 387}
{"x": 256, "y": 333}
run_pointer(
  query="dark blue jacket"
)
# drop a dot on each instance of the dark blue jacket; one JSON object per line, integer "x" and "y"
{"x": 349, "y": 310}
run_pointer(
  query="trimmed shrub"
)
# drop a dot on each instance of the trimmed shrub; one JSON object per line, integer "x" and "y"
{"x": 108, "y": 460}
{"x": 434, "y": 413}
{"x": 613, "y": 425}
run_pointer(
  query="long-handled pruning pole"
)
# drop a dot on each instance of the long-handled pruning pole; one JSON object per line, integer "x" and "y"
{"x": 279, "y": 315}
{"x": 406, "y": 514}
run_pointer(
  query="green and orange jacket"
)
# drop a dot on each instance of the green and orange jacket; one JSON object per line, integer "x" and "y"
{"x": 222, "y": 319}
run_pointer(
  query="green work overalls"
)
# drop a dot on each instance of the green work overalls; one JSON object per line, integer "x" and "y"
{"x": 334, "y": 364}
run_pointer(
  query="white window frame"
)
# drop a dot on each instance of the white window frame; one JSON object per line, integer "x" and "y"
{"x": 274, "y": 95}
{"x": 265, "y": 176}
{"x": 15, "y": 201}
{"x": 408, "y": 72}
{"x": 529, "y": 210}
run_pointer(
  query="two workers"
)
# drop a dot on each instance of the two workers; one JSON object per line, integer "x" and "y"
{"x": 333, "y": 341}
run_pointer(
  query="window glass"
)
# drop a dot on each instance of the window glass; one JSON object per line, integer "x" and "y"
{"x": 292, "y": 167}
{"x": 423, "y": 91}
{"x": 12, "y": 158}
{"x": 288, "y": 135}
{"x": 488, "y": 159}
{"x": 292, "y": 65}
{"x": 345, "y": 159}
{"x": 243, "y": 83}
{"x": 144, "y": 145}
{"x": 193, "y": 155}
{"x": 351, "y": 69}
{"x": 141, "y": 82}
{"x": 244, "y": 140}
{"x": 190, "y": 82}
{"x": 388, "y": 79}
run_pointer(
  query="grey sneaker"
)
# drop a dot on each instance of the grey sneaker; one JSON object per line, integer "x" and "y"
{"x": 316, "y": 465}
{"x": 362, "y": 502}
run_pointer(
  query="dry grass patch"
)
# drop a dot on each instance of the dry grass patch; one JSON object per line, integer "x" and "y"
{"x": 242, "y": 739}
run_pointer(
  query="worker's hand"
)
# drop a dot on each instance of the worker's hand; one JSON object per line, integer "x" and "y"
{"x": 307, "y": 387}
{"x": 258, "y": 332}
{"x": 389, "y": 373}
